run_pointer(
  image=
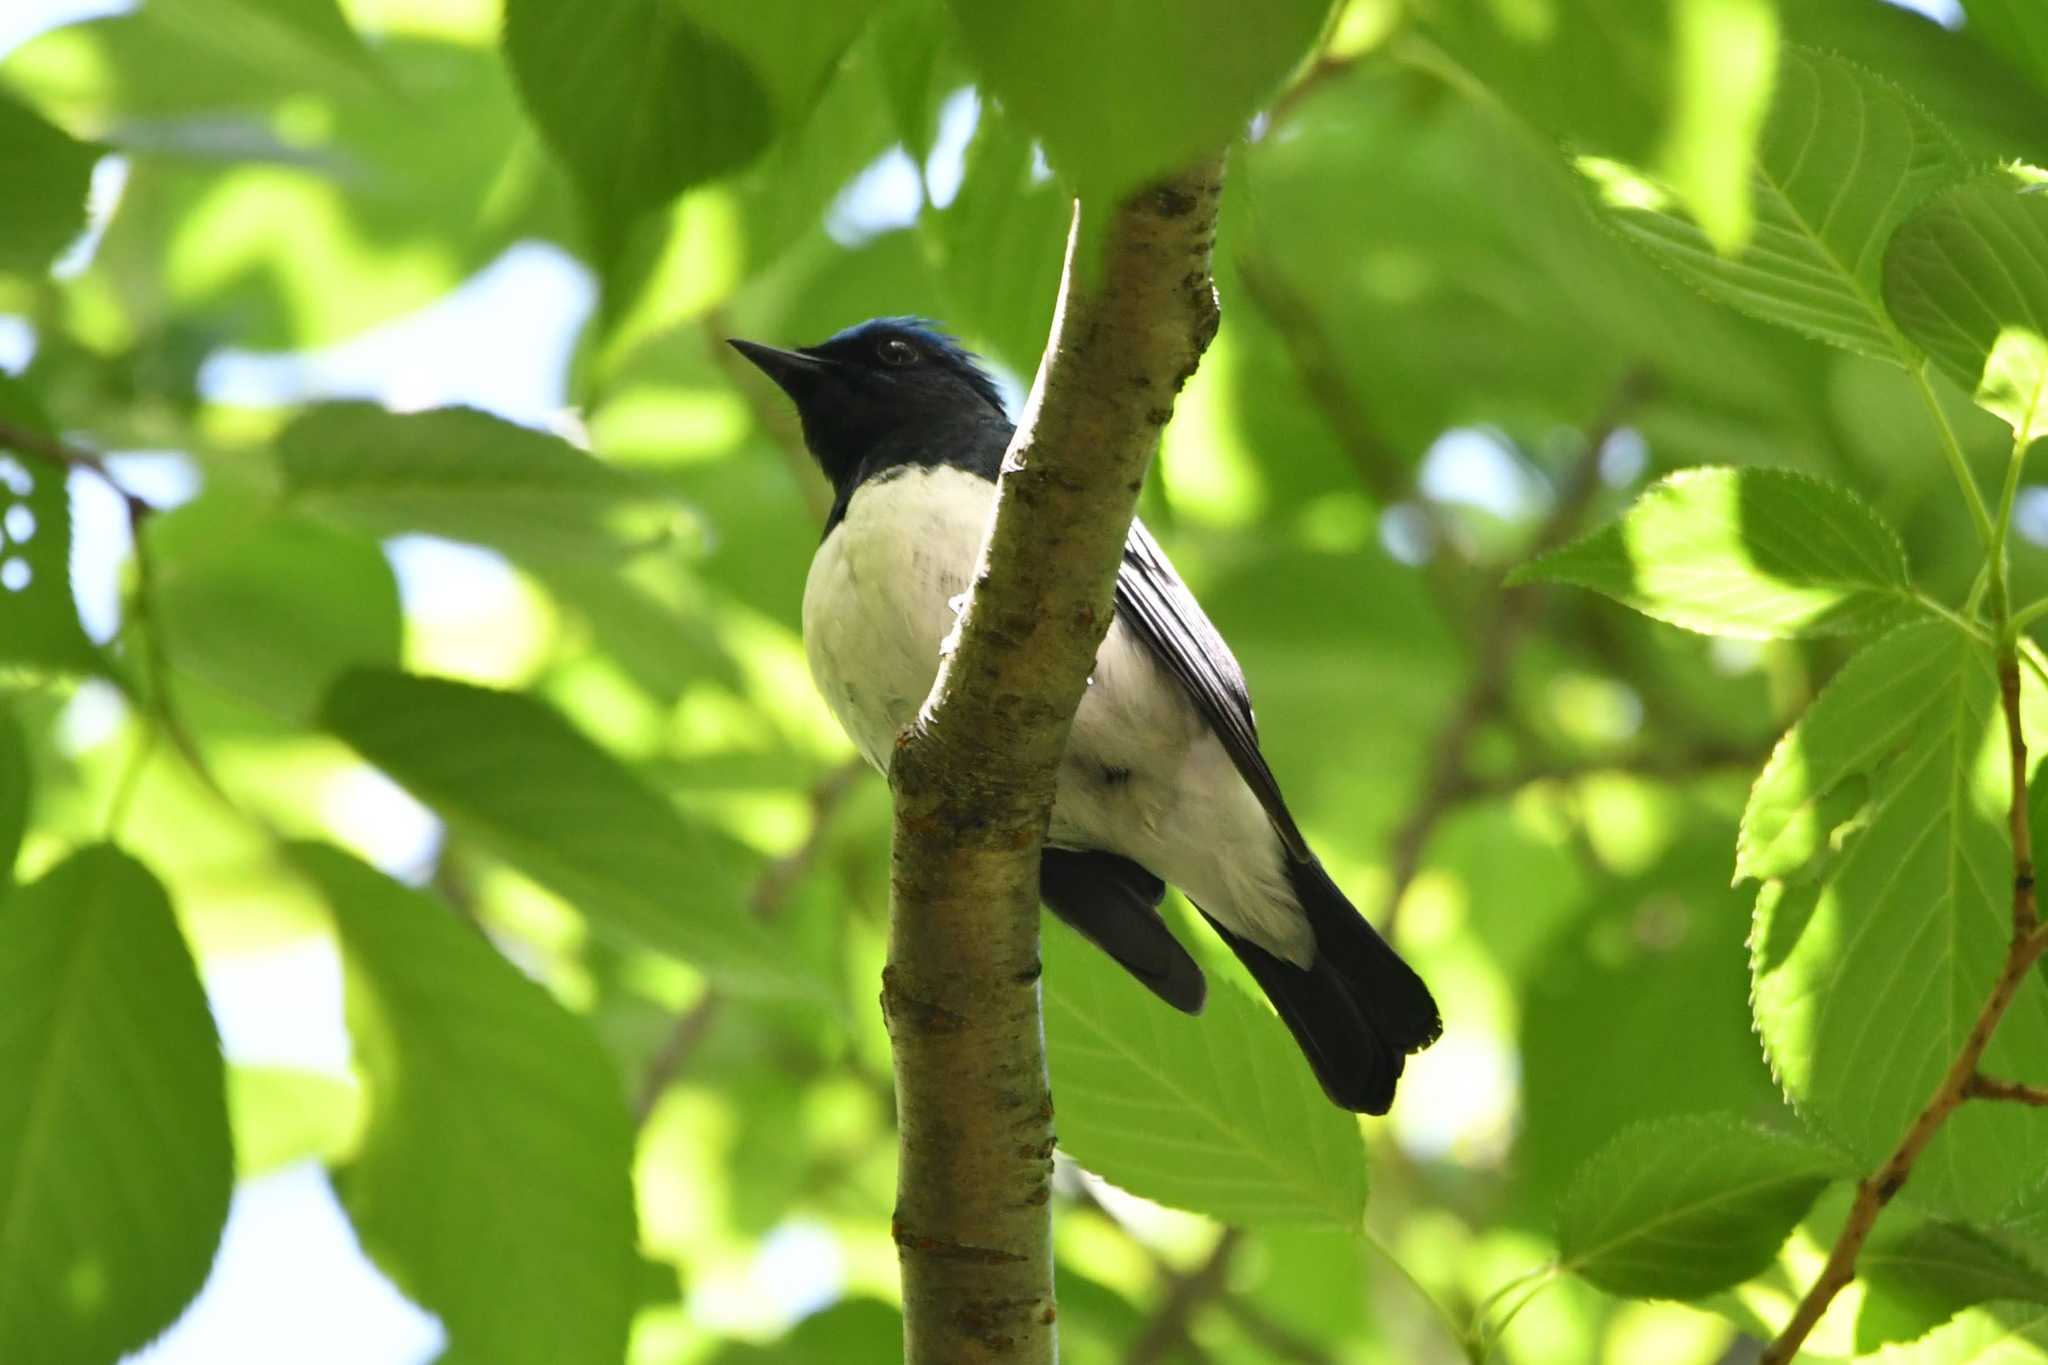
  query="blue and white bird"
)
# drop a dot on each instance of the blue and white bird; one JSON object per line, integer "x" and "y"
{"x": 1162, "y": 781}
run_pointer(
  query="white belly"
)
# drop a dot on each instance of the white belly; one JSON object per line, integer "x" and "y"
{"x": 1143, "y": 775}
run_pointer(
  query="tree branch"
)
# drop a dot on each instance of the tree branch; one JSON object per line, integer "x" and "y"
{"x": 1982, "y": 1087}
{"x": 1186, "y": 1295}
{"x": 771, "y": 891}
{"x": 1514, "y": 611}
{"x": 974, "y": 777}
{"x": 2029, "y": 941}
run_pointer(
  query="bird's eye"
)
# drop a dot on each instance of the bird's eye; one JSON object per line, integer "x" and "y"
{"x": 896, "y": 351}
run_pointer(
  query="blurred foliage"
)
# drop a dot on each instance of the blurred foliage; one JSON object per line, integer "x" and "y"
{"x": 503, "y": 714}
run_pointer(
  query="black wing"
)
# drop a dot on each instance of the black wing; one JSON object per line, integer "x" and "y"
{"x": 1114, "y": 903}
{"x": 1151, "y": 600}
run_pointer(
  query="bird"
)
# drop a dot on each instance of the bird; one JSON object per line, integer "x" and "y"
{"x": 1162, "y": 782}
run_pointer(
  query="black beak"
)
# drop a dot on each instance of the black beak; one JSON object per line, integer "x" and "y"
{"x": 797, "y": 374}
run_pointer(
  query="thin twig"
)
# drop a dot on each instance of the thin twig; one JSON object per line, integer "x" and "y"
{"x": 1690, "y": 761}
{"x": 2029, "y": 940}
{"x": 675, "y": 1052}
{"x": 1514, "y": 611}
{"x": 1982, "y": 1087}
{"x": 1324, "y": 69}
{"x": 1186, "y": 1295}
{"x": 154, "y": 695}
{"x": 1385, "y": 472}
{"x": 1274, "y": 1338}
{"x": 772, "y": 890}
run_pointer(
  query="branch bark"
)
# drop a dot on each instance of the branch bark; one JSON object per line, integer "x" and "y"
{"x": 973, "y": 780}
{"x": 1962, "y": 1080}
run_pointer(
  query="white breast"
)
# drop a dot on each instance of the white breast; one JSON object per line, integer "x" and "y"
{"x": 1143, "y": 776}
{"x": 880, "y": 597}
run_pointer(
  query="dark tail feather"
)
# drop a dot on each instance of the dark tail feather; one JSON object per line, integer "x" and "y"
{"x": 1358, "y": 1009}
{"x": 1114, "y": 904}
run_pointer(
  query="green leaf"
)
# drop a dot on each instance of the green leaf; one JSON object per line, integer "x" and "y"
{"x": 270, "y": 609}
{"x": 494, "y": 1182}
{"x": 1216, "y": 1113}
{"x": 510, "y": 772}
{"x": 1923, "y": 1274}
{"x": 1678, "y": 1208}
{"x": 1002, "y": 213}
{"x": 1820, "y": 774}
{"x": 282, "y": 1116}
{"x": 38, "y": 617}
{"x": 115, "y": 1167}
{"x": 2002, "y": 1334}
{"x": 1845, "y": 156}
{"x": 2015, "y": 29}
{"x": 1967, "y": 278}
{"x": 46, "y": 172}
{"x": 1124, "y": 95}
{"x": 1678, "y": 85}
{"x": 1759, "y": 553}
{"x": 1869, "y": 974}
{"x": 16, "y": 781}
{"x": 299, "y": 202}
{"x": 1644, "y": 979}
{"x": 917, "y": 68}
{"x": 467, "y": 475}
{"x": 302, "y": 40}
{"x": 639, "y": 99}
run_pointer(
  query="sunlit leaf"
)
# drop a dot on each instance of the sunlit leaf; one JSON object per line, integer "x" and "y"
{"x": 1761, "y": 553}
{"x": 1869, "y": 974}
{"x": 1820, "y": 774}
{"x": 1967, "y": 278}
{"x": 1845, "y": 156}
{"x": 1681, "y": 1207}
{"x": 509, "y": 771}
{"x": 1216, "y": 1113}
{"x": 1125, "y": 95}
{"x": 494, "y": 1181}
{"x": 1999, "y": 1334}
{"x": 270, "y": 609}
{"x": 282, "y": 1116}
{"x": 467, "y": 475}
{"x": 38, "y": 617}
{"x": 115, "y": 1167}
{"x": 1919, "y": 1275}
{"x": 46, "y": 172}
{"x": 15, "y": 780}
{"x": 1678, "y": 85}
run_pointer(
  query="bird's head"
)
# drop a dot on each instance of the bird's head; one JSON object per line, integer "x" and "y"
{"x": 886, "y": 381}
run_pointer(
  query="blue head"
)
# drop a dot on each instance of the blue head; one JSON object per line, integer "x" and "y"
{"x": 890, "y": 388}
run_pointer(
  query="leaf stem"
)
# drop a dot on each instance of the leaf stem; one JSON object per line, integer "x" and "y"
{"x": 1961, "y": 622}
{"x": 1509, "y": 1286}
{"x": 2029, "y": 614}
{"x": 1467, "y": 1345}
{"x": 1960, "y": 467}
{"x": 1489, "y": 1338}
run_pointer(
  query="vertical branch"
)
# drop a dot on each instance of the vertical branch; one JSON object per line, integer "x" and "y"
{"x": 974, "y": 778}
